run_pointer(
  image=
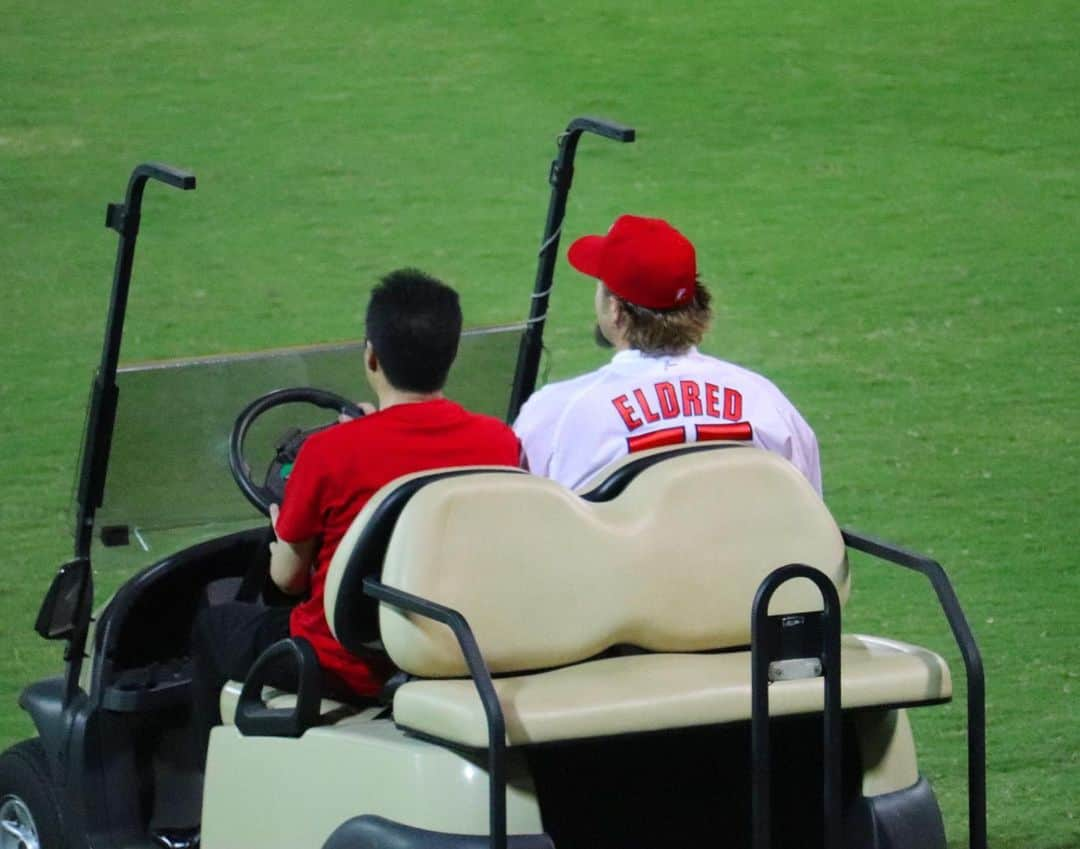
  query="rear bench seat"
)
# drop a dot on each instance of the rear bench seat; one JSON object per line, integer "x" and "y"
{"x": 668, "y": 561}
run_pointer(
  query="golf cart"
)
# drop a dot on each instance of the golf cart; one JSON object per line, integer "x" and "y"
{"x": 651, "y": 660}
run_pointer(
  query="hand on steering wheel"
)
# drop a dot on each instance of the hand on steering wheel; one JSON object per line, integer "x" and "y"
{"x": 272, "y": 490}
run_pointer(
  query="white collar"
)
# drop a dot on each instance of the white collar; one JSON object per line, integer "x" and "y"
{"x": 633, "y": 355}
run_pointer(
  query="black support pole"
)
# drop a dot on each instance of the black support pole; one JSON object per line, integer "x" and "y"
{"x": 832, "y": 741}
{"x": 485, "y": 688}
{"x": 973, "y": 668}
{"x": 101, "y": 416}
{"x": 561, "y": 176}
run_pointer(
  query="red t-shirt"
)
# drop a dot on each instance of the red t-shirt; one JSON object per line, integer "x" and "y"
{"x": 339, "y": 469}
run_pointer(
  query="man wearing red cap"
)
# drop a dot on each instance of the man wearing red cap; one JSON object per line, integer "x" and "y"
{"x": 657, "y": 390}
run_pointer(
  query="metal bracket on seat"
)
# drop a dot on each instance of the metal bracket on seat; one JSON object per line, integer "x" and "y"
{"x": 561, "y": 174}
{"x": 794, "y": 669}
{"x": 119, "y": 218}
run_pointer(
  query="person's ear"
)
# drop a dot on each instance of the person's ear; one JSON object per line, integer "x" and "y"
{"x": 370, "y": 359}
{"x": 616, "y": 312}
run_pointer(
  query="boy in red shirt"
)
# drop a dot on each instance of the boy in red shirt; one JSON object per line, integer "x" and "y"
{"x": 413, "y": 325}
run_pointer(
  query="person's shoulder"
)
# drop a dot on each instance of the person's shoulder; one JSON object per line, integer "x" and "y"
{"x": 500, "y": 445}
{"x": 746, "y": 374}
{"x": 749, "y": 378}
{"x": 484, "y": 422}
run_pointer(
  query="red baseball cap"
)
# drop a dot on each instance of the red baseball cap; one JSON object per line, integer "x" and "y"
{"x": 645, "y": 261}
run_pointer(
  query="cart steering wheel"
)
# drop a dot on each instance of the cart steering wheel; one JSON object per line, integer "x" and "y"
{"x": 272, "y": 489}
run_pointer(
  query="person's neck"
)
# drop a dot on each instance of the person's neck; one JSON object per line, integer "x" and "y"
{"x": 682, "y": 353}
{"x": 391, "y": 397}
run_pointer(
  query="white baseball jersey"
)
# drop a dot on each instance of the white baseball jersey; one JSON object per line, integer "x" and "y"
{"x": 572, "y": 429}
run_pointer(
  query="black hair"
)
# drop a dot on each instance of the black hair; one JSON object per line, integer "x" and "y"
{"x": 414, "y": 324}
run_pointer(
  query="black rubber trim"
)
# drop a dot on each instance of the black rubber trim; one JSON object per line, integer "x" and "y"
{"x": 45, "y": 701}
{"x": 356, "y": 615}
{"x": 373, "y": 832}
{"x": 613, "y": 485}
{"x": 904, "y": 819}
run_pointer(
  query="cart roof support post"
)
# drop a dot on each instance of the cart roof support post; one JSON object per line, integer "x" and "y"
{"x": 101, "y": 416}
{"x": 560, "y": 177}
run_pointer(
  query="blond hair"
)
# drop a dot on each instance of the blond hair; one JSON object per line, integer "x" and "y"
{"x": 665, "y": 331}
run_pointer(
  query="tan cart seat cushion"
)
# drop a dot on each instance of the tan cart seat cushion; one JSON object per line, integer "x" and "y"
{"x": 546, "y": 578}
{"x": 653, "y": 692}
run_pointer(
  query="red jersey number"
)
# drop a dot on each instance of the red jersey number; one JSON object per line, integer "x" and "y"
{"x": 739, "y": 431}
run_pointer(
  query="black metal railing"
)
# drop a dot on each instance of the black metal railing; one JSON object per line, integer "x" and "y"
{"x": 973, "y": 668}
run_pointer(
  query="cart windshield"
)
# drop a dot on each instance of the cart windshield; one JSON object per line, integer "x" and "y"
{"x": 168, "y": 483}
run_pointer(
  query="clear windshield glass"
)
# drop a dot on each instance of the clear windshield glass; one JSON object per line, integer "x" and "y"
{"x": 168, "y": 480}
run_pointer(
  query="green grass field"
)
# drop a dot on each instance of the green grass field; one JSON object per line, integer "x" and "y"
{"x": 886, "y": 200}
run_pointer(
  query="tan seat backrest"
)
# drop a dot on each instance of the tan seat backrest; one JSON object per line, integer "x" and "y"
{"x": 351, "y": 615}
{"x": 546, "y": 578}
